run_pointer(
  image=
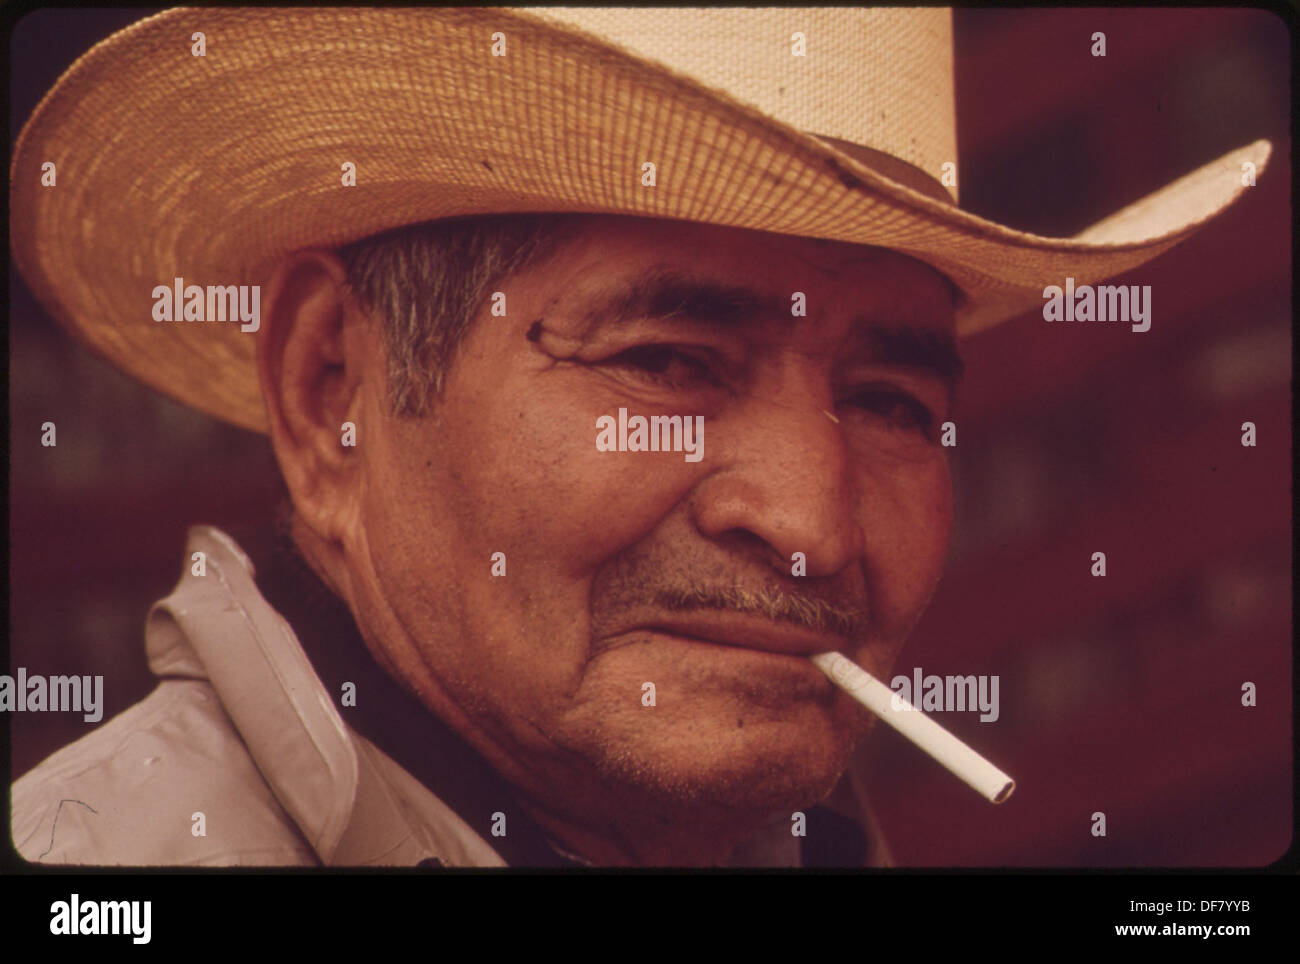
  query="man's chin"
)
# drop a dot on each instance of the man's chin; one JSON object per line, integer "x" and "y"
{"x": 760, "y": 767}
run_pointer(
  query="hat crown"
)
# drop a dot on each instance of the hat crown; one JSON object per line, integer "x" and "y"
{"x": 880, "y": 78}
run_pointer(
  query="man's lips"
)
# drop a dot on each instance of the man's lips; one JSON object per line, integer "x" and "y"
{"x": 748, "y": 632}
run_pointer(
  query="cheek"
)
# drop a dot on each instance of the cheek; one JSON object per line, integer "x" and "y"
{"x": 566, "y": 504}
{"x": 512, "y": 467}
{"x": 907, "y": 520}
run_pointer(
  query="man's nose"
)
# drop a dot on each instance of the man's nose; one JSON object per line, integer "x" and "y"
{"x": 785, "y": 475}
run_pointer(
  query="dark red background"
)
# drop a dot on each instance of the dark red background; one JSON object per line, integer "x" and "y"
{"x": 1120, "y": 694}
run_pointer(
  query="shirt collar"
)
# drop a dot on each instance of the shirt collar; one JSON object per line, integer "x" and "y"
{"x": 353, "y": 804}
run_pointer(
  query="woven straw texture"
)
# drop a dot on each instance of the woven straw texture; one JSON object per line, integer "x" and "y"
{"x": 212, "y": 168}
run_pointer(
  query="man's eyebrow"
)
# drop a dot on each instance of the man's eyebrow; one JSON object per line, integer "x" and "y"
{"x": 929, "y": 349}
{"x": 665, "y": 295}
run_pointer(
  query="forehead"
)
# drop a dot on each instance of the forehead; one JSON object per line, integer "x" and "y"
{"x": 833, "y": 276}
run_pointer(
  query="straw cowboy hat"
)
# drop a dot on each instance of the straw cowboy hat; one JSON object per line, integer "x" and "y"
{"x": 212, "y": 167}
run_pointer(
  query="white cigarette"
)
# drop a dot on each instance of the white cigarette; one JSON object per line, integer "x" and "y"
{"x": 991, "y": 783}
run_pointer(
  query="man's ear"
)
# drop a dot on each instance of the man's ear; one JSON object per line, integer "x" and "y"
{"x": 311, "y": 362}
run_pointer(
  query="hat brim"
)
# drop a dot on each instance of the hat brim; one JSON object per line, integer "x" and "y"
{"x": 213, "y": 168}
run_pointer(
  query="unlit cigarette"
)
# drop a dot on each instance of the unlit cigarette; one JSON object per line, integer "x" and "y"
{"x": 994, "y": 785}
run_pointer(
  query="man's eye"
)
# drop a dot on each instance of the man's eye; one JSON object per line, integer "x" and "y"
{"x": 663, "y": 364}
{"x": 899, "y": 409}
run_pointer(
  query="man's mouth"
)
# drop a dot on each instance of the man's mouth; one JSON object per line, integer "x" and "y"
{"x": 748, "y": 632}
{"x": 771, "y": 657}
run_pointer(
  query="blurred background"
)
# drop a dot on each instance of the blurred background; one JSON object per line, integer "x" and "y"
{"x": 1119, "y": 694}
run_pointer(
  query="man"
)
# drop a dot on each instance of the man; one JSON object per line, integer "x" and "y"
{"x": 502, "y": 625}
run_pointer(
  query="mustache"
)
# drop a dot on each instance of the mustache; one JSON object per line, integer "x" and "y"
{"x": 775, "y": 604}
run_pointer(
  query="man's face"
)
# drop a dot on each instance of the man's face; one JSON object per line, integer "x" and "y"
{"x": 627, "y": 568}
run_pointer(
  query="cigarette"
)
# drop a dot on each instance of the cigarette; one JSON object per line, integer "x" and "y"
{"x": 960, "y": 760}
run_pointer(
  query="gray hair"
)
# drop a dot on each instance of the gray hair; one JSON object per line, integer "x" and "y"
{"x": 426, "y": 283}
